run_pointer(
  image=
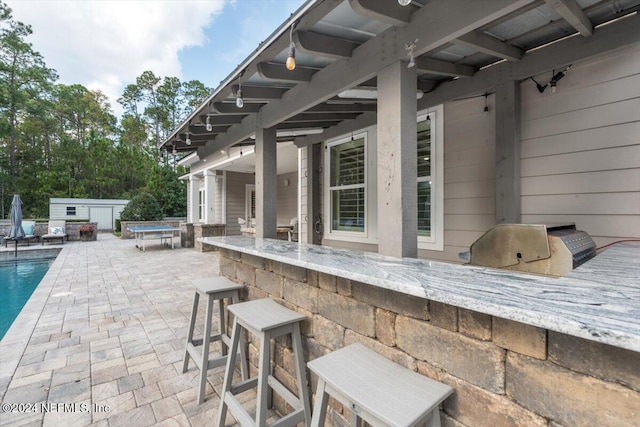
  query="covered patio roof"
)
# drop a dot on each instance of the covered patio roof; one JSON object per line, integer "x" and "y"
{"x": 461, "y": 48}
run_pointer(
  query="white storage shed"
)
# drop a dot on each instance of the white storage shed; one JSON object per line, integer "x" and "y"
{"x": 103, "y": 211}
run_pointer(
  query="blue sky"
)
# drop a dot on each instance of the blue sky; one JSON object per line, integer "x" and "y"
{"x": 232, "y": 36}
{"x": 106, "y": 44}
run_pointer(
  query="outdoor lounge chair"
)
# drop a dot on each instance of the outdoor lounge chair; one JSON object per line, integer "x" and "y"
{"x": 56, "y": 230}
{"x": 28, "y": 227}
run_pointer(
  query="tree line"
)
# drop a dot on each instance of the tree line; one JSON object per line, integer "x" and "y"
{"x": 62, "y": 140}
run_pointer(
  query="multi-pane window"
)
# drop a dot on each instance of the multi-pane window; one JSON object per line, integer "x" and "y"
{"x": 201, "y": 206}
{"x": 71, "y": 210}
{"x": 347, "y": 186}
{"x": 250, "y": 204}
{"x": 424, "y": 176}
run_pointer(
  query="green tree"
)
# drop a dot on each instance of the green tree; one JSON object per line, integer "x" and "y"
{"x": 142, "y": 207}
{"x": 23, "y": 75}
{"x": 169, "y": 190}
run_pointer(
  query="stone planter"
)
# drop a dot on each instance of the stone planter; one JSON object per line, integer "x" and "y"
{"x": 87, "y": 236}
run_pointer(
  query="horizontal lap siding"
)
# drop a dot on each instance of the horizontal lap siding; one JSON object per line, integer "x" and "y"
{"x": 581, "y": 149}
{"x": 236, "y": 194}
{"x": 469, "y": 176}
{"x": 287, "y": 198}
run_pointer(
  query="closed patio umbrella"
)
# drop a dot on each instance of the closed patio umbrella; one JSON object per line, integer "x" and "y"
{"x": 16, "y": 232}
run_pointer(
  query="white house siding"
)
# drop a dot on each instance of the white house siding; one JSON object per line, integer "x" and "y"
{"x": 581, "y": 148}
{"x": 580, "y": 157}
{"x": 469, "y": 176}
{"x": 59, "y": 211}
{"x": 236, "y": 187}
{"x": 287, "y": 197}
{"x": 189, "y": 205}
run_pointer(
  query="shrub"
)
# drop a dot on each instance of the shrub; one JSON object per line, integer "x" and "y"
{"x": 118, "y": 225}
{"x": 87, "y": 227}
{"x": 143, "y": 207}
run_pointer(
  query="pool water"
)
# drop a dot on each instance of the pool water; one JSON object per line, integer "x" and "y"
{"x": 19, "y": 277}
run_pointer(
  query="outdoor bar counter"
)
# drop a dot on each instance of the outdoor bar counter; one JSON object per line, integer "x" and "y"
{"x": 519, "y": 349}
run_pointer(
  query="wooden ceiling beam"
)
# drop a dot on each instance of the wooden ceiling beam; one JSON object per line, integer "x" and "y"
{"x": 279, "y": 72}
{"x": 491, "y": 46}
{"x": 196, "y": 138}
{"x": 435, "y": 66}
{"x": 305, "y": 125}
{"x": 386, "y": 11}
{"x": 323, "y": 45}
{"x": 342, "y": 108}
{"x": 571, "y": 11}
{"x": 222, "y": 119}
{"x": 201, "y": 129}
{"x": 321, "y": 117}
{"x": 231, "y": 108}
{"x": 259, "y": 93}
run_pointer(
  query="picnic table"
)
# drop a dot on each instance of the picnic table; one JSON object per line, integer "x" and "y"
{"x": 164, "y": 233}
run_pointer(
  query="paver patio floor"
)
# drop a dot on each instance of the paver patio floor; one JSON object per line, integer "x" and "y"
{"x": 101, "y": 340}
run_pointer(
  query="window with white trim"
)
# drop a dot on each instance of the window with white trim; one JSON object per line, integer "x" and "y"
{"x": 430, "y": 179}
{"x": 424, "y": 177}
{"x": 201, "y": 207}
{"x": 250, "y": 205}
{"x": 347, "y": 185}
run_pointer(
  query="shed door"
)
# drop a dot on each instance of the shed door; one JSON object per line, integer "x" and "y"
{"x": 103, "y": 216}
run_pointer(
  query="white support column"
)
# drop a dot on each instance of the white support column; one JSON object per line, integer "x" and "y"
{"x": 508, "y": 152}
{"x": 266, "y": 182}
{"x": 209, "y": 196}
{"x": 194, "y": 195}
{"x": 397, "y": 161}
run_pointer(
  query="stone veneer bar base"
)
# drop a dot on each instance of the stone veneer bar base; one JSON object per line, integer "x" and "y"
{"x": 504, "y": 373}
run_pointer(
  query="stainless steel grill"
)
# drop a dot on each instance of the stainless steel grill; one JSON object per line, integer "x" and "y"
{"x": 552, "y": 250}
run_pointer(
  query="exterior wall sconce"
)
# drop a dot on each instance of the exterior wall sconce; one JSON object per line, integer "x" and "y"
{"x": 553, "y": 82}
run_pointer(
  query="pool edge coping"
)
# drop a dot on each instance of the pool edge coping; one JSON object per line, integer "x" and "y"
{"x": 15, "y": 341}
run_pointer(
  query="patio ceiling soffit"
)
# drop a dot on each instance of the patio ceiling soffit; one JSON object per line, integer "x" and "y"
{"x": 318, "y": 44}
{"x": 308, "y": 15}
{"x": 562, "y": 53}
{"x": 571, "y": 11}
{"x": 433, "y": 25}
{"x": 201, "y": 129}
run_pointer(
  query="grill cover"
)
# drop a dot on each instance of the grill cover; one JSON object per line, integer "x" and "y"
{"x": 542, "y": 249}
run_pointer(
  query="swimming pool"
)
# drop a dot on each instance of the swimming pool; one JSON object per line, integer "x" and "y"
{"x": 19, "y": 277}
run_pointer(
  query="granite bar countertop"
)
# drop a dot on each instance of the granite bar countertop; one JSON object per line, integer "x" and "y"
{"x": 599, "y": 301}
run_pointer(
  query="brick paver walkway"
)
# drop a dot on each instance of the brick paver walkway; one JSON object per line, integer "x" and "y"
{"x": 101, "y": 340}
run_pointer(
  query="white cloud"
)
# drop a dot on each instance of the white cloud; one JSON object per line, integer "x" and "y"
{"x": 107, "y": 44}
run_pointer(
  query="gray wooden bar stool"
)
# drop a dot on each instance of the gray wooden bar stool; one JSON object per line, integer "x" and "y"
{"x": 214, "y": 288}
{"x": 266, "y": 320}
{"x": 375, "y": 389}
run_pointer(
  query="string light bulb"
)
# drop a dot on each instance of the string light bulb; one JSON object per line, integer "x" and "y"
{"x": 208, "y": 125}
{"x": 291, "y": 56}
{"x": 239, "y": 100}
{"x": 188, "y": 140}
{"x": 174, "y": 150}
{"x": 404, "y": 2}
{"x": 485, "y": 112}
